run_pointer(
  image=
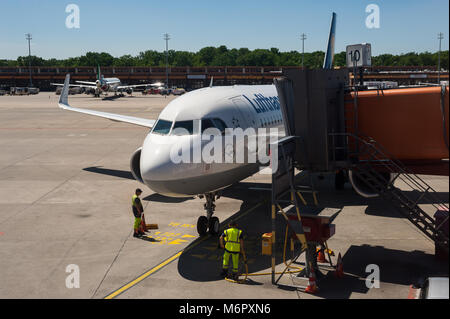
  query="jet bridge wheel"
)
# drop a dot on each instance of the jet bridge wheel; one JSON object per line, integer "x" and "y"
{"x": 202, "y": 225}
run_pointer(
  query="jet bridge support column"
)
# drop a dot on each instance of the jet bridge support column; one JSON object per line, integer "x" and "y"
{"x": 282, "y": 187}
{"x": 288, "y": 203}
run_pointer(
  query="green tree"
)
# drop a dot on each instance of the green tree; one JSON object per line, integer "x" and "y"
{"x": 222, "y": 56}
{"x": 182, "y": 58}
{"x": 125, "y": 60}
{"x": 314, "y": 60}
{"x": 35, "y": 61}
{"x": 340, "y": 59}
{"x": 205, "y": 56}
{"x": 150, "y": 58}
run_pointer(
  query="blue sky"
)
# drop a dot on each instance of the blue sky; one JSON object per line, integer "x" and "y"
{"x": 129, "y": 27}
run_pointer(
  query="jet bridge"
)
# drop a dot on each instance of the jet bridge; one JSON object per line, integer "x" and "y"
{"x": 312, "y": 103}
{"x": 326, "y": 125}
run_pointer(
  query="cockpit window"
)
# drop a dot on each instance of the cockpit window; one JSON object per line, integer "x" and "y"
{"x": 206, "y": 124}
{"x": 220, "y": 125}
{"x": 183, "y": 128}
{"x": 162, "y": 127}
{"x": 213, "y": 123}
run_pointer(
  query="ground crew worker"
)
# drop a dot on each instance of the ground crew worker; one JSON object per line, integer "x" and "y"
{"x": 234, "y": 244}
{"x": 137, "y": 212}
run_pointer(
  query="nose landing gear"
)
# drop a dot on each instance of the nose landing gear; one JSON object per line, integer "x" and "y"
{"x": 208, "y": 222}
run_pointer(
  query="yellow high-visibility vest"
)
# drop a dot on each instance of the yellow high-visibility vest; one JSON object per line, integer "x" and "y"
{"x": 133, "y": 199}
{"x": 231, "y": 238}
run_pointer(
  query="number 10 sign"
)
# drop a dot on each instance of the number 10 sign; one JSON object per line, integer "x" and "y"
{"x": 361, "y": 54}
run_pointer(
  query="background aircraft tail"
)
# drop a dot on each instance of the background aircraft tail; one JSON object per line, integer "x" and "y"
{"x": 329, "y": 55}
{"x": 99, "y": 73}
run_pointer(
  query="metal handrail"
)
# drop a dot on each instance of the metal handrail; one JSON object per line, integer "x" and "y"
{"x": 394, "y": 165}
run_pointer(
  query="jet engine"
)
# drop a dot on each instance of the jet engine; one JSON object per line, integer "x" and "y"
{"x": 362, "y": 187}
{"x": 135, "y": 165}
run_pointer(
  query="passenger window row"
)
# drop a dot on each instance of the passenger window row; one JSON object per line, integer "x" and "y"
{"x": 277, "y": 119}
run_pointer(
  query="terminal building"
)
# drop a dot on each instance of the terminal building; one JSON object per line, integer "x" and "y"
{"x": 197, "y": 77}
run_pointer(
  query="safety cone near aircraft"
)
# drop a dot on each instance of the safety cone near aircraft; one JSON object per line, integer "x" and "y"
{"x": 339, "y": 267}
{"x": 321, "y": 256}
{"x": 312, "y": 286}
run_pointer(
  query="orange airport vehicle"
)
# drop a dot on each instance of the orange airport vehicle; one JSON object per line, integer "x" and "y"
{"x": 411, "y": 124}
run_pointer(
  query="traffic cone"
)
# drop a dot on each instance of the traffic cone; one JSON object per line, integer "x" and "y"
{"x": 339, "y": 267}
{"x": 143, "y": 226}
{"x": 312, "y": 286}
{"x": 321, "y": 256}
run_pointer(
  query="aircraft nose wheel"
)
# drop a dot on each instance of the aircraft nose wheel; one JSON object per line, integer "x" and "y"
{"x": 214, "y": 225}
{"x": 202, "y": 225}
{"x": 208, "y": 223}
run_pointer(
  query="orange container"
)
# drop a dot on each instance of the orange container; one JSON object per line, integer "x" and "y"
{"x": 267, "y": 244}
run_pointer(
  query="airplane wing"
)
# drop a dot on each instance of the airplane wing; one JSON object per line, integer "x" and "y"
{"x": 64, "y": 104}
{"x": 122, "y": 87}
{"x": 87, "y": 82}
{"x": 75, "y": 85}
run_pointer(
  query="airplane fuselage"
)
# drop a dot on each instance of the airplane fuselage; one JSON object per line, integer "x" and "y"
{"x": 110, "y": 84}
{"x": 255, "y": 107}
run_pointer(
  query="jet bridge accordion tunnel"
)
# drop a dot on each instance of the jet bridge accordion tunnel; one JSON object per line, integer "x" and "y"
{"x": 329, "y": 117}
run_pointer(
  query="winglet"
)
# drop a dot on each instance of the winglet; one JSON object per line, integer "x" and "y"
{"x": 64, "y": 99}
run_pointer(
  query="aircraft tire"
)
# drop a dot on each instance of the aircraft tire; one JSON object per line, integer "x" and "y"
{"x": 202, "y": 225}
{"x": 214, "y": 225}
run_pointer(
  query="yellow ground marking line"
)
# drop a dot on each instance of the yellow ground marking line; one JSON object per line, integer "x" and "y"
{"x": 167, "y": 261}
{"x": 143, "y": 276}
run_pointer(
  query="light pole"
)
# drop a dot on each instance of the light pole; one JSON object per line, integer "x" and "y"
{"x": 167, "y": 38}
{"x": 29, "y": 38}
{"x": 440, "y": 37}
{"x": 303, "y": 38}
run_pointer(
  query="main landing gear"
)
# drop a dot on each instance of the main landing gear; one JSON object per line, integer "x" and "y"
{"x": 208, "y": 223}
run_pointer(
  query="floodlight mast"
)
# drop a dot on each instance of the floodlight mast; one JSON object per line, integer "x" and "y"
{"x": 29, "y": 38}
{"x": 167, "y": 38}
{"x": 440, "y": 38}
{"x": 303, "y": 38}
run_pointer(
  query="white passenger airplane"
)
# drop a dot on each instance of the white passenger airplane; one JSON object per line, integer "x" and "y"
{"x": 239, "y": 106}
{"x": 255, "y": 106}
{"x": 103, "y": 85}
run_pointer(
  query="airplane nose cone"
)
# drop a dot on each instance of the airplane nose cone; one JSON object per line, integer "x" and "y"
{"x": 155, "y": 160}
{"x": 158, "y": 170}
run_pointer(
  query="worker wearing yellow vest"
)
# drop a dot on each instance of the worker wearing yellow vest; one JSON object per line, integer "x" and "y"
{"x": 231, "y": 240}
{"x": 137, "y": 212}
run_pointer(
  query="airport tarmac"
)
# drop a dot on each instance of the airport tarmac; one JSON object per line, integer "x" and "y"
{"x": 65, "y": 197}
